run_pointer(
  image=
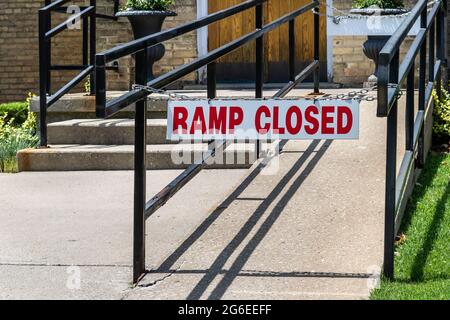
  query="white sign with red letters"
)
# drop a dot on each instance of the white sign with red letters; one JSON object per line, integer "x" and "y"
{"x": 301, "y": 119}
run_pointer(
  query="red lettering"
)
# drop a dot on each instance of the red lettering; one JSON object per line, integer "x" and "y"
{"x": 341, "y": 129}
{"x": 259, "y": 128}
{"x": 218, "y": 120}
{"x": 326, "y": 120}
{"x": 180, "y": 115}
{"x": 290, "y": 128}
{"x": 198, "y": 122}
{"x": 313, "y": 126}
{"x": 276, "y": 121}
{"x": 236, "y": 117}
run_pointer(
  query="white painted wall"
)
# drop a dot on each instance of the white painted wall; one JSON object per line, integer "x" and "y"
{"x": 202, "y": 36}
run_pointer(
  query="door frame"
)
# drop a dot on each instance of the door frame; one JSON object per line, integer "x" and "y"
{"x": 202, "y": 39}
{"x": 329, "y": 13}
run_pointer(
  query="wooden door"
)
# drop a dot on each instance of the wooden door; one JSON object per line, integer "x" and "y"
{"x": 238, "y": 66}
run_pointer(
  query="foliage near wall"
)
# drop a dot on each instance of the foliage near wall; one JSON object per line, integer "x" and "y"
{"x": 16, "y": 135}
{"x": 441, "y": 117}
{"x": 384, "y": 4}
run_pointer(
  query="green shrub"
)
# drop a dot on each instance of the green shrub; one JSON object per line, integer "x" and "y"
{"x": 15, "y": 113}
{"x": 384, "y": 4}
{"x": 159, "y": 5}
{"x": 441, "y": 118}
{"x": 15, "y": 138}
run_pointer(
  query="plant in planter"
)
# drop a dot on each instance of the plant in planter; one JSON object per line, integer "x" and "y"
{"x": 147, "y": 17}
{"x": 382, "y": 4}
{"x": 372, "y": 9}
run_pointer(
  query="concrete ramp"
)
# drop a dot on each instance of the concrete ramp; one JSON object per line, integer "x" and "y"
{"x": 313, "y": 230}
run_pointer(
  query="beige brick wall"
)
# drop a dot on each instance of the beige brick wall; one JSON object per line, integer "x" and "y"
{"x": 183, "y": 49}
{"x": 350, "y": 65}
{"x": 18, "y": 61}
{"x": 110, "y": 34}
{"x": 19, "y": 70}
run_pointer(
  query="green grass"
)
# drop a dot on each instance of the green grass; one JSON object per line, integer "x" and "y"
{"x": 422, "y": 262}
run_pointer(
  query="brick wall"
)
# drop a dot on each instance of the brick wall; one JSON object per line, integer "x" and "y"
{"x": 19, "y": 47}
{"x": 183, "y": 49}
{"x": 110, "y": 34}
{"x": 18, "y": 65}
{"x": 350, "y": 65}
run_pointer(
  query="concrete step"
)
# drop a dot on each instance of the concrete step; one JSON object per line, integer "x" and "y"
{"x": 121, "y": 157}
{"x": 104, "y": 132}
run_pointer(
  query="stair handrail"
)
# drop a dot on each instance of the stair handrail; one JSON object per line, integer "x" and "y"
{"x": 87, "y": 15}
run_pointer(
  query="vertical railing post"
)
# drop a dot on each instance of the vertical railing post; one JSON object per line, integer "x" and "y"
{"x": 391, "y": 176}
{"x": 445, "y": 44}
{"x": 100, "y": 88}
{"x": 93, "y": 44}
{"x": 49, "y": 49}
{"x": 43, "y": 76}
{"x": 259, "y": 79}
{"x": 211, "y": 78}
{"x": 440, "y": 31}
{"x": 85, "y": 47}
{"x": 409, "y": 117}
{"x": 431, "y": 52}
{"x": 211, "y": 74}
{"x": 422, "y": 63}
{"x": 316, "y": 47}
{"x": 422, "y": 86}
{"x": 140, "y": 171}
{"x": 292, "y": 50}
{"x": 116, "y": 6}
{"x": 440, "y": 48}
{"x": 259, "y": 64}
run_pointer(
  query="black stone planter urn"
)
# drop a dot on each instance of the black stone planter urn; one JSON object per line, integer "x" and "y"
{"x": 145, "y": 23}
{"x": 372, "y": 47}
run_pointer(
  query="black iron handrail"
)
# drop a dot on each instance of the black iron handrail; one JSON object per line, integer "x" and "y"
{"x": 88, "y": 16}
{"x": 392, "y": 75}
{"x": 143, "y": 209}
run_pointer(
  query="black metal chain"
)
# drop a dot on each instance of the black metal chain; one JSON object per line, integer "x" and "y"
{"x": 171, "y": 95}
{"x": 360, "y": 95}
{"x": 366, "y": 94}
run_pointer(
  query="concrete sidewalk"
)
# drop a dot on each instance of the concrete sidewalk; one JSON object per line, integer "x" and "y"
{"x": 313, "y": 230}
{"x": 51, "y": 221}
